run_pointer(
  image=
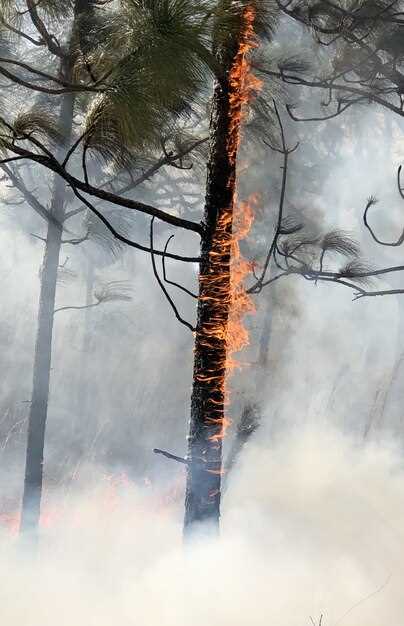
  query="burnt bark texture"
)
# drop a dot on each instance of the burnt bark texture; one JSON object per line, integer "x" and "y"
{"x": 204, "y": 468}
{"x": 33, "y": 479}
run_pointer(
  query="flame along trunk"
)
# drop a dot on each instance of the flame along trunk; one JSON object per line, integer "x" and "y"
{"x": 221, "y": 298}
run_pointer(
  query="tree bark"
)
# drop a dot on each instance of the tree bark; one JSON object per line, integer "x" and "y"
{"x": 207, "y": 421}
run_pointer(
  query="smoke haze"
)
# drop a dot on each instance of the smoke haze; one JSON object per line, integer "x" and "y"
{"x": 311, "y": 525}
{"x": 313, "y": 514}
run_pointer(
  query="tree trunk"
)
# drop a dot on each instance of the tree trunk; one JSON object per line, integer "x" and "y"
{"x": 43, "y": 347}
{"x": 33, "y": 479}
{"x": 207, "y": 421}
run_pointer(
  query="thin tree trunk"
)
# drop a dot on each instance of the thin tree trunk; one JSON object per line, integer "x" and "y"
{"x": 207, "y": 421}
{"x": 43, "y": 348}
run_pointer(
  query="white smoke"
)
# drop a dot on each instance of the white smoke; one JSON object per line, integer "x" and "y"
{"x": 311, "y": 525}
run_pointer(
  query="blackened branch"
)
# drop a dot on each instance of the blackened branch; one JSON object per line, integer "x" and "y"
{"x": 145, "y": 176}
{"x": 358, "y": 94}
{"x": 48, "y": 160}
{"x": 285, "y": 151}
{"x": 371, "y": 202}
{"x": 339, "y": 278}
{"x": 160, "y": 282}
{"x": 122, "y": 238}
{"x": 340, "y": 109}
{"x": 171, "y": 282}
{"x": 172, "y": 457}
{"x": 48, "y": 38}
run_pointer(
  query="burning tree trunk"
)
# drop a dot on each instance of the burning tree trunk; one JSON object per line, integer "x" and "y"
{"x": 216, "y": 293}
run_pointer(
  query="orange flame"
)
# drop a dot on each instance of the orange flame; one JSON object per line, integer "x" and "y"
{"x": 233, "y": 225}
{"x": 244, "y": 87}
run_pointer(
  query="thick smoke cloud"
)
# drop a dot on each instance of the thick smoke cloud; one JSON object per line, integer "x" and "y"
{"x": 311, "y": 525}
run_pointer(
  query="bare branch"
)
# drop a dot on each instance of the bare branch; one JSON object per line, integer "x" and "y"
{"x": 160, "y": 282}
{"x": 76, "y": 242}
{"x": 363, "y": 95}
{"x": 339, "y": 111}
{"x": 127, "y": 241}
{"x": 29, "y": 197}
{"x": 47, "y": 160}
{"x": 41, "y": 74}
{"x": 371, "y": 202}
{"x": 257, "y": 287}
{"x": 43, "y": 239}
{"x": 50, "y": 40}
{"x": 70, "y": 88}
{"x": 77, "y": 308}
{"x": 170, "y": 456}
{"x": 16, "y": 31}
{"x": 151, "y": 171}
{"x": 170, "y": 282}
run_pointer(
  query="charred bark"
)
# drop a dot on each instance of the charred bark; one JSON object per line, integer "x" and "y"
{"x": 207, "y": 420}
{"x": 202, "y": 502}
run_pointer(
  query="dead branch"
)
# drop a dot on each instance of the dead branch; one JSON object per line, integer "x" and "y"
{"x": 123, "y": 239}
{"x": 76, "y": 242}
{"x": 149, "y": 173}
{"x": 51, "y": 163}
{"x": 285, "y": 151}
{"x": 171, "y": 282}
{"x": 161, "y": 284}
{"x": 170, "y": 456}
